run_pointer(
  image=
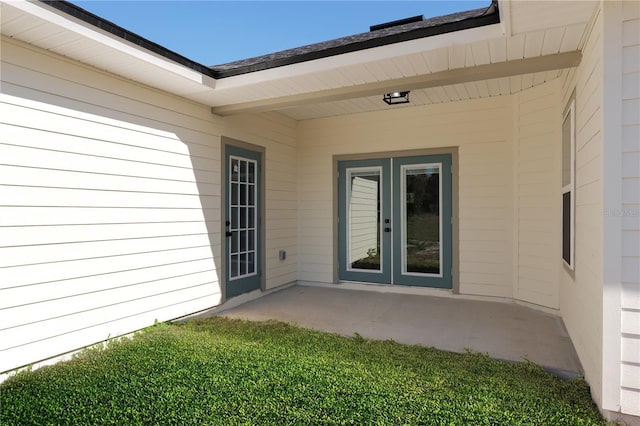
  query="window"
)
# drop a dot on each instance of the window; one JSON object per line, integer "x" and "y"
{"x": 568, "y": 184}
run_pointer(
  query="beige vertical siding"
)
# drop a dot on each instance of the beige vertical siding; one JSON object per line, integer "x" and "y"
{"x": 538, "y": 201}
{"x": 581, "y": 291}
{"x": 482, "y": 131}
{"x": 630, "y": 393}
{"x": 110, "y": 204}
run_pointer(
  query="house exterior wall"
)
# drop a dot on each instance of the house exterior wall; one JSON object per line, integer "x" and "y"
{"x": 110, "y": 200}
{"x": 581, "y": 292}
{"x": 630, "y": 208}
{"x": 278, "y": 135}
{"x": 600, "y": 299}
{"x": 482, "y": 131}
{"x": 537, "y": 205}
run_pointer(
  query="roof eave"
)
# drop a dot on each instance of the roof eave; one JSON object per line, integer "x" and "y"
{"x": 120, "y": 32}
{"x": 493, "y": 17}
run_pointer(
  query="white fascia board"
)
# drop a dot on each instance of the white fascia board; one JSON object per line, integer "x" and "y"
{"x": 89, "y": 32}
{"x": 364, "y": 56}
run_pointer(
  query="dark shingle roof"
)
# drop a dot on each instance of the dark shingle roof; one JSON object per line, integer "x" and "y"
{"x": 387, "y": 34}
{"x": 381, "y": 37}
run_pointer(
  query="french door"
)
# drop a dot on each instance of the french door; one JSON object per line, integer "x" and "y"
{"x": 242, "y": 220}
{"x": 395, "y": 221}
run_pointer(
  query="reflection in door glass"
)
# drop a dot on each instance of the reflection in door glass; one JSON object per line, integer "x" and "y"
{"x": 364, "y": 219}
{"x": 421, "y": 233}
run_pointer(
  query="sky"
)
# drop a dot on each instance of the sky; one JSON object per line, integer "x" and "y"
{"x": 216, "y": 32}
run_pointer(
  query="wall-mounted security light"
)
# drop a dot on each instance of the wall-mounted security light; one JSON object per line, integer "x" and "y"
{"x": 395, "y": 98}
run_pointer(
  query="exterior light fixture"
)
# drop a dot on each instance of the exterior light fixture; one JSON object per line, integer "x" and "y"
{"x": 395, "y": 98}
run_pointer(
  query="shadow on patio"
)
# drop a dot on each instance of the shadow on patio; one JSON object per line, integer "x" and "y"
{"x": 503, "y": 330}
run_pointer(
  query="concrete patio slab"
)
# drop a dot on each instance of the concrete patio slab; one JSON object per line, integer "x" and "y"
{"x": 503, "y": 330}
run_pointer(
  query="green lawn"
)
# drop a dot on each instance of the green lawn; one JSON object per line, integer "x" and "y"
{"x": 423, "y": 243}
{"x": 423, "y": 227}
{"x": 228, "y": 372}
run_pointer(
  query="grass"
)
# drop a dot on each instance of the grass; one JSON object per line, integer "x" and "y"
{"x": 424, "y": 227}
{"x": 423, "y": 232}
{"x": 229, "y": 372}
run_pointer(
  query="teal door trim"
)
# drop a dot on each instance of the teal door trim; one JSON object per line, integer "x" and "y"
{"x": 344, "y": 264}
{"x": 242, "y": 221}
{"x": 444, "y": 279}
{"x": 391, "y": 244}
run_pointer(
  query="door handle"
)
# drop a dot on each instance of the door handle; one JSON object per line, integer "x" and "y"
{"x": 387, "y": 229}
{"x": 229, "y": 234}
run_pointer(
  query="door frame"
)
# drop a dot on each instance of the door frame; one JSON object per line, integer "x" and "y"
{"x": 222, "y": 266}
{"x": 455, "y": 231}
{"x": 385, "y": 273}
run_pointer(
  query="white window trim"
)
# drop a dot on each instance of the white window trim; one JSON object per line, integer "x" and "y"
{"x": 350, "y": 172}
{"x": 571, "y": 187}
{"x": 403, "y": 206}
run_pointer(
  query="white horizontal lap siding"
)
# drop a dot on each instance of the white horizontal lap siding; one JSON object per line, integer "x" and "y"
{"x": 630, "y": 374}
{"x": 109, "y": 206}
{"x": 277, "y": 134}
{"x": 581, "y": 295}
{"x": 364, "y": 218}
{"x": 315, "y": 208}
{"x": 482, "y": 131}
{"x": 485, "y": 199}
{"x": 538, "y": 200}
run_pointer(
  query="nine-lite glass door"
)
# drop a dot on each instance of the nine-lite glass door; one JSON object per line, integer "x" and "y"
{"x": 242, "y": 220}
{"x": 395, "y": 221}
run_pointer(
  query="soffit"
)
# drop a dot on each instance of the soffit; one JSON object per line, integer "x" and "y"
{"x": 43, "y": 26}
{"x": 528, "y": 31}
{"x": 434, "y": 95}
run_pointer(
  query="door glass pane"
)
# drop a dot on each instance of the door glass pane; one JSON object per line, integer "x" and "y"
{"x": 250, "y": 263}
{"x": 243, "y": 217}
{"x": 242, "y": 188}
{"x": 252, "y": 195}
{"x": 243, "y": 264}
{"x": 234, "y": 194}
{"x": 235, "y": 170}
{"x": 234, "y": 218}
{"x": 234, "y": 265}
{"x": 243, "y": 171}
{"x": 251, "y": 173}
{"x": 421, "y": 217}
{"x": 243, "y": 194}
{"x": 252, "y": 240}
{"x": 251, "y": 217}
{"x": 243, "y": 241}
{"x": 235, "y": 242}
{"x": 363, "y": 227}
